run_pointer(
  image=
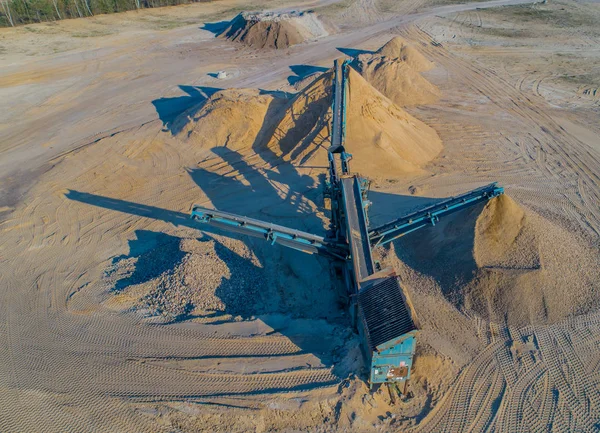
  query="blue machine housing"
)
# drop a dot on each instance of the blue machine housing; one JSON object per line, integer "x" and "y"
{"x": 392, "y": 361}
{"x": 388, "y": 327}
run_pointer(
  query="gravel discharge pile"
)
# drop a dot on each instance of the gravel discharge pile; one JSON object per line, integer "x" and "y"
{"x": 530, "y": 271}
{"x": 503, "y": 263}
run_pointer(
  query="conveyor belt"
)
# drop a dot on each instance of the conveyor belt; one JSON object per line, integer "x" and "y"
{"x": 273, "y": 233}
{"x": 338, "y": 109}
{"x": 356, "y": 228}
{"x": 430, "y": 215}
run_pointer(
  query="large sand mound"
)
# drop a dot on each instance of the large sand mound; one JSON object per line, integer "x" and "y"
{"x": 395, "y": 70}
{"x": 384, "y": 140}
{"x": 505, "y": 264}
{"x": 274, "y": 30}
{"x": 230, "y": 118}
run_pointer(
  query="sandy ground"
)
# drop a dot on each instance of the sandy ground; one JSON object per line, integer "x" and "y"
{"x": 97, "y": 182}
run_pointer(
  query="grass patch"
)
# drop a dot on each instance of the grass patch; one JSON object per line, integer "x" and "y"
{"x": 581, "y": 79}
{"x": 557, "y": 15}
{"x": 91, "y": 34}
{"x": 334, "y": 8}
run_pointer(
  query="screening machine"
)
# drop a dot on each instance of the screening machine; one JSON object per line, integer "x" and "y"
{"x": 380, "y": 309}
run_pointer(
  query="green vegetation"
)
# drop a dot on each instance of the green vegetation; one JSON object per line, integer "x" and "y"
{"x": 555, "y": 14}
{"x": 19, "y": 12}
{"x": 592, "y": 80}
{"x": 334, "y": 8}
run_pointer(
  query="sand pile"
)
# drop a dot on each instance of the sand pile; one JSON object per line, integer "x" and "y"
{"x": 497, "y": 229}
{"x": 506, "y": 264}
{"x": 231, "y": 118}
{"x": 399, "y": 49}
{"x": 395, "y": 70}
{"x": 302, "y": 126}
{"x": 274, "y": 30}
{"x": 384, "y": 139}
{"x": 529, "y": 270}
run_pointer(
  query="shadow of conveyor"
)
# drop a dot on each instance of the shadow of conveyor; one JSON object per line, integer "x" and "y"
{"x": 302, "y": 71}
{"x": 310, "y": 316}
{"x": 169, "y": 108}
{"x": 443, "y": 252}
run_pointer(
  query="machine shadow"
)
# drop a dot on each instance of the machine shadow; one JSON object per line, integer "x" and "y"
{"x": 216, "y": 28}
{"x": 289, "y": 305}
{"x": 169, "y": 108}
{"x": 302, "y": 71}
{"x": 353, "y": 52}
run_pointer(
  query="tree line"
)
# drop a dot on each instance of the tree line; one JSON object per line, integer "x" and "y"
{"x": 17, "y": 12}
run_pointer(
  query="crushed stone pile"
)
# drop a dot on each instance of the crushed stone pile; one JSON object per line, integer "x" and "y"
{"x": 204, "y": 276}
{"x": 395, "y": 70}
{"x": 275, "y": 30}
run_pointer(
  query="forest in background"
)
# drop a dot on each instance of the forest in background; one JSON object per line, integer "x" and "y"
{"x": 19, "y": 12}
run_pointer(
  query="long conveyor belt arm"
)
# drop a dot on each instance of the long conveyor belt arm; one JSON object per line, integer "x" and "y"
{"x": 431, "y": 214}
{"x": 273, "y": 233}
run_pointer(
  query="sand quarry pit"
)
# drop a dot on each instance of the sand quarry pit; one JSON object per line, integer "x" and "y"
{"x": 120, "y": 313}
{"x": 275, "y": 30}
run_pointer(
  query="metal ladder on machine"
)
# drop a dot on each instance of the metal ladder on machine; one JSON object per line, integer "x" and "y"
{"x": 387, "y": 331}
